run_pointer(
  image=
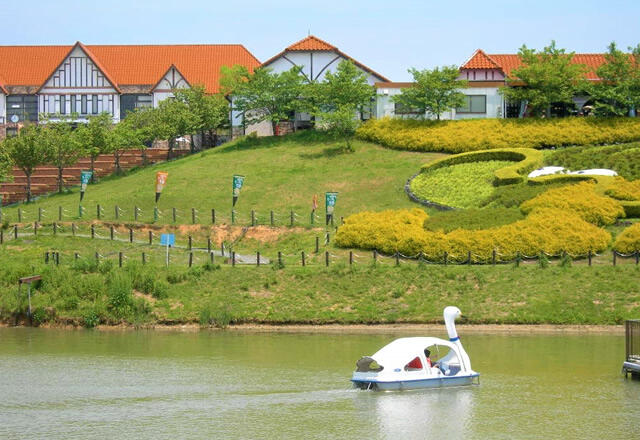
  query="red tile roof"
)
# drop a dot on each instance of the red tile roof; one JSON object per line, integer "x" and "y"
{"x": 315, "y": 44}
{"x": 127, "y": 65}
{"x": 508, "y": 62}
{"x": 2, "y": 88}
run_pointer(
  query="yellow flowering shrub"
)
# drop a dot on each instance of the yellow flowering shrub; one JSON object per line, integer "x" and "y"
{"x": 622, "y": 189}
{"x": 483, "y": 134}
{"x": 629, "y": 240}
{"x": 581, "y": 199}
{"x": 548, "y": 230}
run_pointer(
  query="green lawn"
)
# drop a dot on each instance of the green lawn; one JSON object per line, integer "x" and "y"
{"x": 282, "y": 174}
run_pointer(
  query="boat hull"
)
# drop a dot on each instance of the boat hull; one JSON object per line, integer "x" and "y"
{"x": 417, "y": 384}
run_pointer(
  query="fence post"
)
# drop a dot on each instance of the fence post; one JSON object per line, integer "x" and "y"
{"x": 258, "y": 258}
{"x": 279, "y": 259}
{"x": 313, "y": 215}
{"x": 40, "y": 215}
{"x": 135, "y": 213}
{"x": 15, "y": 232}
{"x": 190, "y": 259}
{"x": 112, "y": 232}
{"x": 119, "y": 259}
{"x": 98, "y": 211}
{"x": 589, "y": 256}
{"x": 93, "y": 231}
{"x": 130, "y": 235}
{"x": 303, "y": 261}
{"x": 97, "y": 257}
{"x": 233, "y": 216}
{"x": 57, "y": 258}
{"x": 350, "y": 258}
{"x": 117, "y": 212}
{"x": 493, "y": 257}
{"x": 156, "y": 213}
{"x": 446, "y": 257}
{"x": 213, "y": 216}
{"x": 375, "y": 257}
{"x": 174, "y": 213}
{"x": 326, "y": 258}
{"x": 317, "y": 244}
{"x": 614, "y": 257}
{"x": 222, "y": 249}
{"x": 46, "y": 257}
{"x": 144, "y": 258}
{"x": 271, "y": 218}
{"x": 1, "y": 236}
{"x": 518, "y": 259}
{"x": 469, "y": 258}
{"x": 291, "y": 215}
{"x": 209, "y": 244}
{"x": 637, "y": 257}
{"x": 253, "y": 217}
{"x": 73, "y": 229}
{"x": 233, "y": 258}
{"x": 60, "y": 213}
{"x": 193, "y": 216}
{"x": 76, "y": 256}
{"x": 327, "y": 237}
{"x": 55, "y": 228}
{"x": 211, "y": 257}
{"x": 397, "y": 258}
{"x": 150, "y": 238}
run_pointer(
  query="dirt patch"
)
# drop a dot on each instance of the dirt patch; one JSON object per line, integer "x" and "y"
{"x": 150, "y": 299}
{"x": 260, "y": 293}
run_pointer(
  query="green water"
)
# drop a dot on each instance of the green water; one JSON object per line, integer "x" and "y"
{"x": 235, "y": 385}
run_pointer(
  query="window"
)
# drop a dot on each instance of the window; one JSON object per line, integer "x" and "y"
{"x": 63, "y": 104}
{"x": 74, "y": 100}
{"x": 22, "y": 107}
{"x": 94, "y": 104}
{"x": 83, "y": 105}
{"x": 129, "y": 103}
{"x": 474, "y": 104}
{"x": 401, "y": 109}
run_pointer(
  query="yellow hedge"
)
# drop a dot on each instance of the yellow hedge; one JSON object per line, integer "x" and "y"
{"x": 580, "y": 199}
{"x": 548, "y": 230}
{"x": 629, "y": 240}
{"x": 622, "y": 189}
{"x": 483, "y": 134}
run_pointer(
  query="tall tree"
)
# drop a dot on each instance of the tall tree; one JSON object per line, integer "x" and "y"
{"x": 433, "y": 91}
{"x": 173, "y": 119}
{"x": 63, "y": 144}
{"x": 618, "y": 92}
{"x": 347, "y": 86}
{"x": 544, "y": 78}
{"x": 121, "y": 137}
{"x": 28, "y": 150}
{"x": 341, "y": 122}
{"x": 211, "y": 111}
{"x": 264, "y": 95}
{"x": 94, "y": 137}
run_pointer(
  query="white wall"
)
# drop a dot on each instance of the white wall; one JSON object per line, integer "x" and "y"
{"x": 3, "y": 108}
{"x": 170, "y": 81}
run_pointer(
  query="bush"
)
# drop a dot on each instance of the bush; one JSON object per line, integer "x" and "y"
{"x": 219, "y": 316}
{"x": 509, "y": 196}
{"x": 622, "y": 189}
{"x": 483, "y": 134}
{"x": 553, "y": 179}
{"x": 580, "y": 199}
{"x": 119, "y": 294}
{"x": 473, "y": 219}
{"x": 624, "y": 159}
{"x": 91, "y": 318}
{"x": 160, "y": 289}
{"x": 631, "y": 209}
{"x": 629, "y": 240}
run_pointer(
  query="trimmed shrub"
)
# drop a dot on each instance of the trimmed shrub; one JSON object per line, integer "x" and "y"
{"x": 560, "y": 178}
{"x": 119, "y": 293}
{"x": 629, "y": 240}
{"x": 473, "y": 219}
{"x": 580, "y": 199}
{"x": 622, "y": 189}
{"x": 624, "y": 158}
{"x": 482, "y": 134}
{"x": 631, "y": 209}
{"x": 509, "y": 196}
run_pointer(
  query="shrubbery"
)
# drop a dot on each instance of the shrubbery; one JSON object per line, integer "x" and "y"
{"x": 622, "y": 189}
{"x": 482, "y": 134}
{"x": 473, "y": 219}
{"x": 549, "y": 230}
{"x": 624, "y": 159}
{"x": 580, "y": 199}
{"x": 629, "y": 240}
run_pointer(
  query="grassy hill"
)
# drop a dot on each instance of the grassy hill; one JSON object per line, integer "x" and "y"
{"x": 282, "y": 174}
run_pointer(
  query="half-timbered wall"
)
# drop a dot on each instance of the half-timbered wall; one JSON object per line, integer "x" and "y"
{"x": 170, "y": 81}
{"x": 78, "y": 86}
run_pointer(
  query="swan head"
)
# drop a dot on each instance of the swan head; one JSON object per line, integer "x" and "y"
{"x": 451, "y": 313}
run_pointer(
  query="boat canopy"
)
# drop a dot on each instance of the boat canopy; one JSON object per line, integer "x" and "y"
{"x": 401, "y": 351}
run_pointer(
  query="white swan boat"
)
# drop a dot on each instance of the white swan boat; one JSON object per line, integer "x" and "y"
{"x": 420, "y": 362}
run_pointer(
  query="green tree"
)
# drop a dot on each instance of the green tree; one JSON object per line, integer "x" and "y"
{"x": 121, "y": 137}
{"x": 63, "y": 144}
{"x": 433, "y": 91}
{"x": 27, "y": 151}
{"x": 618, "y": 92}
{"x": 347, "y": 86}
{"x": 264, "y": 95}
{"x": 94, "y": 137}
{"x": 211, "y": 111}
{"x": 172, "y": 119}
{"x": 5, "y": 164}
{"x": 544, "y": 78}
{"x": 341, "y": 122}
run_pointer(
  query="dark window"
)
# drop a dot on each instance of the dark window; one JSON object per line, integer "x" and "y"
{"x": 73, "y": 99}
{"x": 401, "y": 109}
{"x": 83, "y": 105}
{"x": 24, "y": 107}
{"x": 129, "y": 103}
{"x": 63, "y": 104}
{"x": 94, "y": 104}
{"x": 473, "y": 104}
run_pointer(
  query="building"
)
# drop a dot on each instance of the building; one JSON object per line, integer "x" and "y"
{"x": 90, "y": 79}
{"x": 485, "y": 74}
{"x": 315, "y": 58}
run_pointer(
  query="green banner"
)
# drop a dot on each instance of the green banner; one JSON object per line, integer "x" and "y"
{"x": 237, "y": 185}
{"x": 330, "y": 200}
{"x": 85, "y": 178}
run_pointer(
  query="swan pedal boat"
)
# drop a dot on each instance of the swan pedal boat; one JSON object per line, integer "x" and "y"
{"x": 402, "y": 364}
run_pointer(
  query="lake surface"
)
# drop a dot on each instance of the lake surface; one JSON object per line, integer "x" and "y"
{"x": 60, "y": 384}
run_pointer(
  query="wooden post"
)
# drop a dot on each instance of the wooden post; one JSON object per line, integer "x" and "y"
{"x": 253, "y": 217}
{"x": 317, "y": 244}
{"x": 1, "y": 236}
{"x": 55, "y": 228}
{"x": 328, "y": 238}
{"x": 326, "y": 258}
{"x": 350, "y": 258}
{"x": 150, "y": 238}
{"x": 144, "y": 258}
{"x": 190, "y": 243}
{"x": 117, "y": 212}
{"x": 213, "y": 216}
{"x": 233, "y": 258}
{"x": 15, "y": 232}
{"x": 291, "y": 216}
{"x": 279, "y": 259}
{"x": 35, "y": 228}
{"x": 98, "y": 211}
{"x": 614, "y": 257}
{"x": 190, "y": 259}
{"x": 173, "y": 210}
{"x": 397, "y": 258}
{"x": 271, "y": 218}
{"x": 193, "y": 216}
{"x": 46, "y": 257}
{"x": 469, "y": 257}
{"x": 303, "y": 261}
{"x": 209, "y": 244}
{"x": 130, "y": 235}
{"x": 93, "y": 231}
{"x": 59, "y": 213}
{"x": 637, "y": 257}
{"x": 446, "y": 257}
{"x": 112, "y": 232}
{"x": 375, "y": 257}
{"x": 493, "y": 257}
{"x": 40, "y": 215}
{"x": 518, "y": 259}
{"x": 589, "y": 256}
{"x": 211, "y": 257}
{"x": 119, "y": 259}
{"x": 233, "y": 216}
{"x": 73, "y": 229}
{"x": 57, "y": 258}
{"x": 135, "y": 213}
{"x": 258, "y": 258}
{"x": 97, "y": 257}
{"x": 222, "y": 249}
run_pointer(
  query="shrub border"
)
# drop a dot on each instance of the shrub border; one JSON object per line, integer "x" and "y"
{"x": 424, "y": 202}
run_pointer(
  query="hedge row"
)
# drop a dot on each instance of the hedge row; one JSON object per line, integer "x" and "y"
{"x": 629, "y": 240}
{"x": 526, "y": 159}
{"x": 483, "y": 134}
{"x": 622, "y": 189}
{"x": 561, "y": 178}
{"x": 545, "y": 230}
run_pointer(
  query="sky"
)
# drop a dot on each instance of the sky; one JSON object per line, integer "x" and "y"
{"x": 387, "y": 36}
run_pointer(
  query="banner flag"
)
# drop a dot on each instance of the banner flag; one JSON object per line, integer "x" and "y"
{"x": 85, "y": 178}
{"x": 161, "y": 180}
{"x": 314, "y": 204}
{"x": 237, "y": 185}
{"x": 330, "y": 199}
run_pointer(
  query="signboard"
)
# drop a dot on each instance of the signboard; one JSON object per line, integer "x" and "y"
{"x": 237, "y": 185}
{"x": 161, "y": 180}
{"x": 15, "y": 118}
{"x": 168, "y": 239}
{"x": 85, "y": 178}
{"x": 330, "y": 200}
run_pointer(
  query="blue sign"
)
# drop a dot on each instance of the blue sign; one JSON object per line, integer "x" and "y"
{"x": 168, "y": 239}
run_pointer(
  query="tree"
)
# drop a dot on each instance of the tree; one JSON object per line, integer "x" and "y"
{"x": 94, "y": 137}
{"x": 121, "y": 137}
{"x": 341, "y": 122}
{"x": 348, "y": 86}
{"x": 172, "y": 119}
{"x": 28, "y": 150}
{"x": 433, "y": 91}
{"x": 544, "y": 78}
{"x": 5, "y": 164}
{"x": 618, "y": 92}
{"x": 63, "y": 145}
{"x": 263, "y": 95}
{"x": 211, "y": 111}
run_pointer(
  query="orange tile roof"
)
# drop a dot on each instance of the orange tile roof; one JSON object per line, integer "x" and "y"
{"x": 127, "y": 65}
{"x": 508, "y": 62}
{"x": 311, "y": 43}
{"x": 2, "y": 88}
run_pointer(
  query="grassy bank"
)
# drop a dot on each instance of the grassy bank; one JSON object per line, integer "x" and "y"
{"x": 87, "y": 293}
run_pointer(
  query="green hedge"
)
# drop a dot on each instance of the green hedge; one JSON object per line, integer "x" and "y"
{"x": 560, "y": 178}
{"x": 631, "y": 209}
